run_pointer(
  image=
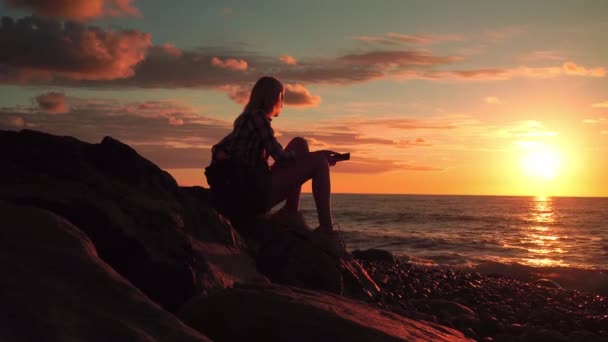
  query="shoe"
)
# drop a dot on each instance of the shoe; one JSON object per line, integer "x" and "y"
{"x": 331, "y": 241}
{"x": 291, "y": 221}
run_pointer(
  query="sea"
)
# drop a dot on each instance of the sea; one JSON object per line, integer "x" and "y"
{"x": 480, "y": 232}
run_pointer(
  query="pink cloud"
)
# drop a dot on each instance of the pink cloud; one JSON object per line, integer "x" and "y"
{"x": 15, "y": 121}
{"x": 295, "y": 95}
{"x": 402, "y": 123}
{"x": 398, "y": 58}
{"x": 34, "y": 48}
{"x": 77, "y": 9}
{"x": 174, "y": 121}
{"x": 393, "y": 38}
{"x": 172, "y": 50}
{"x": 543, "y": 55}
{"x": 571, "y": 68}
{"x": 52, "y": 103}
{"x": 375, "y": 39}
{"x": 298, "y": 96}
{"x": 367, "y": 165}
{"x": 230, "y": 63}
{"x": 567, "y": 69}
{"x": 289, "y": 60}
{"x": 236, "y": 93}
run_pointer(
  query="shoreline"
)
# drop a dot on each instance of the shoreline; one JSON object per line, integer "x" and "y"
{"x": 489, "y": 306}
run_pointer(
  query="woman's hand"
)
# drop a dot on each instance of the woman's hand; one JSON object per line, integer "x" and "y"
{"x": 330, "y": 156}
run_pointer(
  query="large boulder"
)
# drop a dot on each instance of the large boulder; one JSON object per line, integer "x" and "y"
{"x": 54, "y": 287}
{"x": 293, "y": 258}
{"x": 280, "y": 313}
{"x": 165, "y": 239}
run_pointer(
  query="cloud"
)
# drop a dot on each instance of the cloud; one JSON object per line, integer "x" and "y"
{"x": 289, "y": 60}
{"x": 498, "y": 74}
{"x": 492, "y": 100}
{"x": 298, "y": 96}
{"x": 171, "y": 134}
{"x": 175, "y": 121}
{"x": 543, "y": 55}
{"x": 39, "y": 49}
{"x": 172, "y": 50}
{"x": 202, "y": 69}
{"x": 295, "y": 95}
{"x": 369, "y": 165}
{"x": 175, "y": 135}
{"x": 356, "y": 135}
{"x": 236, "y": 93}
{"x": 397, "y": 58}
{"x": 77, "y": 10}
{"x": 571, "y": 68}
{"x": 52, "y": 103}
{"x": 230, "y": 63}
{"x": 393, "y": 38}
{"x": 15, "y": 121}
{"x": 401, "y": 123}
{"x": 600, "y": 105}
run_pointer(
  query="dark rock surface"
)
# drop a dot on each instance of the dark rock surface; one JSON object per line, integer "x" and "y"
{"x": 100, "y": 244}
{"x": 291, "y": 258}
{"x": 164, "y": 239}
{"x": 490, "y": 307}
{"x": 280, "y": 313}
{"x": 55, "y": 288}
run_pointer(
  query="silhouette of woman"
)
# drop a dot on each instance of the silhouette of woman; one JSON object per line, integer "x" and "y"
{"x": 241, "y": 180}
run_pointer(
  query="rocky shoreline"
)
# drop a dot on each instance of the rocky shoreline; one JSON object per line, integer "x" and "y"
{"x": 97, "y": 243}
{"x": 487, "y": 307}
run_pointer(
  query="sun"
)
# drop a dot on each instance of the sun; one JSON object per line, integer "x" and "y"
{"x": 541, "y": 162}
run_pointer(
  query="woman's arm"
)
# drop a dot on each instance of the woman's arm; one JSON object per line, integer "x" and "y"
{"x": 262, "y": 127}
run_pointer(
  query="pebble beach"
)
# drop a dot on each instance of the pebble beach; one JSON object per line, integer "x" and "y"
{"x": 489, "y": 307}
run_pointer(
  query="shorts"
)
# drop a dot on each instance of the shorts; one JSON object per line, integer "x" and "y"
{"x": 239, "y": 192}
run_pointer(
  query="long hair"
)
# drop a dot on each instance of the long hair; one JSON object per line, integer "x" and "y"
{"x": 264, "y": 95}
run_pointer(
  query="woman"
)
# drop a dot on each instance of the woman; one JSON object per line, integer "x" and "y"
{"x": 243, "y": 182}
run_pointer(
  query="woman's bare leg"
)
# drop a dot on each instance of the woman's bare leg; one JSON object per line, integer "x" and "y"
{"x": 300, "y": 147}
{"x": 287, "y": 180}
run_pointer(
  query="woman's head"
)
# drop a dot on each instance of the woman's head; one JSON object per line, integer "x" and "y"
{"x": 267, "y": 96}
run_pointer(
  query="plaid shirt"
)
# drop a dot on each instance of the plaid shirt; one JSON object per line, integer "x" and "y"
{"x": 251, "y": 141}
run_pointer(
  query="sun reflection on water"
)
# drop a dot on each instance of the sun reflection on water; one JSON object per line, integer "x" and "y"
{"x": 543, "y": 243}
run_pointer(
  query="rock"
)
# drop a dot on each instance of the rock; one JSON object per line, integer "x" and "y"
{"x": 292, "y": 258}
{"x": 585, "y": 336}
{"x": 279, "y": 313}
{"x": 165, "y": 239}
{"x": 374, "y": 254}
{"x": 543, "y": 335}
{"x": 444, "y": 307}
{"x": 547, "y": 283}
{"x": 56, "y": 288}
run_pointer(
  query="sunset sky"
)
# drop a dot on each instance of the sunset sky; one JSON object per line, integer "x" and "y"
{"x": 429, "y": 97}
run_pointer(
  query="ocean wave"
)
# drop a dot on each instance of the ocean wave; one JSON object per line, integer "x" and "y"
{"x": 376, "y": 217}
{"x": 392, "y": 240}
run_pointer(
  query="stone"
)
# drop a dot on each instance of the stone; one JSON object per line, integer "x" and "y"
{"x": 292, "y": 258}
{"x": 56, "y": 288}
{"x": 374, "y": 254}
{"x": 282, "y": 313}
{"x": 165, "y": 239}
